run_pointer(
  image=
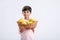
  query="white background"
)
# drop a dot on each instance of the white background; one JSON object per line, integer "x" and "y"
{"x": 47, "y": 12}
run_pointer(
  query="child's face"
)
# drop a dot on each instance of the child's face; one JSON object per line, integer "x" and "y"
{"x": 26, "y": 13}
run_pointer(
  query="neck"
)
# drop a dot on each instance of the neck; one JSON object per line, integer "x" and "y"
{"x": 26, "y": 18}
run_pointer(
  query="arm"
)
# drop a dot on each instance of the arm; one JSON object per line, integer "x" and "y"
{"x": 21, "y": 27}
{"x": 32, "y": 25}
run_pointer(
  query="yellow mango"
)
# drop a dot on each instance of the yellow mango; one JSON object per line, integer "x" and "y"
{"x": 32, "y": 20}
{"x": 29, "y": 22}
{"x": 21, "y": 20}
{"x": 26, "y": 22}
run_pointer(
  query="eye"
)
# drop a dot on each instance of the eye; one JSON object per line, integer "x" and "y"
{"x": 24, "y": 11}
{"x": 28, "y": 11}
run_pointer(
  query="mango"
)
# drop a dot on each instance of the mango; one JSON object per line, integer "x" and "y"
{"x": 26, "y": 22}
{"x": 32, "y": 20}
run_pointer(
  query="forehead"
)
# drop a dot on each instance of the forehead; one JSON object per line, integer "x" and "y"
{"x": 26, "y": 11}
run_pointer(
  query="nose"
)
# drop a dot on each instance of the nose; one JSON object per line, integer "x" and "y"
{"x": 25, "y": 13}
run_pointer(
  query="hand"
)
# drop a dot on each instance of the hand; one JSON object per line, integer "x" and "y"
{"x": 31, "y": 25}
{"x": 21, "y": 27}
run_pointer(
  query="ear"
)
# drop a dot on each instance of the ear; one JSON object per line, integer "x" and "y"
{"x": 29, "y": 13}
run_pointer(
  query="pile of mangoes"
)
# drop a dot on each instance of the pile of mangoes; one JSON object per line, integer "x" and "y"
{"x": 26, "y": 22}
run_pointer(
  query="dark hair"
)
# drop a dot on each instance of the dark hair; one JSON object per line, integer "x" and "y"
{"x": 25, "y": 8}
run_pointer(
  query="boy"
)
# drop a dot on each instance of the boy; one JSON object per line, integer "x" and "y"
{"x": 27, "y": 31}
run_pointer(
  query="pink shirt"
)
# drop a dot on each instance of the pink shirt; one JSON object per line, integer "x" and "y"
{"x": 27, "y": 34}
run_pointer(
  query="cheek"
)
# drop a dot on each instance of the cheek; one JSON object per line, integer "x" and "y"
{"x": 27, "y": 14}
{"x": 23, "y": 14}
